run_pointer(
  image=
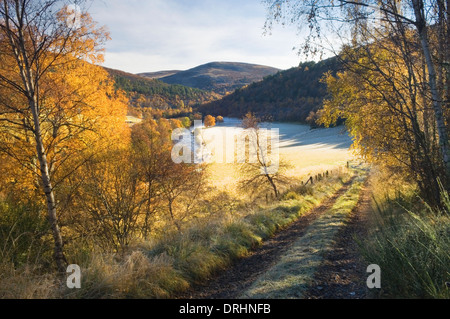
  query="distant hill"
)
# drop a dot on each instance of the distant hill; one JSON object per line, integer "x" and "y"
{"x": 159, "y": 75}
{"x": 152, "y": 93}
{"x": 289, "y": 95}
{"x": 219, "y": 77}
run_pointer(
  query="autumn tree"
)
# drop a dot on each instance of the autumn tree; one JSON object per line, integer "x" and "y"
{"x": 128, "y": 191}
{"x": 112, "y": 201}
{"x": 45, "y": 105}
{"x": 181, "y": 185}
{"x": 261, "y": 165}
{"x": 386, "y": 114}
{"x": 186, "y": 122}
{"x": 150, "y": 141}
{"x": 409, "y": 73}
{"x": 210, "y": 121}
{"x": 312, "y": 119}
{"x": 172, "y": 191}
{"x": 219, "y": 119}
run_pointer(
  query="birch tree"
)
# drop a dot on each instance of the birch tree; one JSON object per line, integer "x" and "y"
{"x": 364, "y": 22}
{"x": 261, "y": 165}
{"x": 41, "y": 41}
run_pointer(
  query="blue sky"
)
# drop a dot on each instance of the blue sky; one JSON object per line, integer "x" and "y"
{"x": 155, "y": 35}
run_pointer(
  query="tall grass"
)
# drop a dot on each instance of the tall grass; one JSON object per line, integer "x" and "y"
{"x": 169, "y": 265}
{"x": 21, "y": 233}
{"x": 26, "y": 282}
{"x": 132, "y": 276}
{"x": 160, "y": 268}
{"x": 411, "y": 244}
{"x": 24, "y": 252}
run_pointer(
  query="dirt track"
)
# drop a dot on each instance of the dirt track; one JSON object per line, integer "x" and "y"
{"x": 231, "y": 283}
{"x": 343, "y": 275}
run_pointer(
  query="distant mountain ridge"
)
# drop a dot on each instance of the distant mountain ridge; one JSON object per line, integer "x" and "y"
{"x": 219, "y": 77}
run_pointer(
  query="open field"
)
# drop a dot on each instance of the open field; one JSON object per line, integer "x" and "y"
{"x": 132, "y": 120}
{"x": 309, "y": 152}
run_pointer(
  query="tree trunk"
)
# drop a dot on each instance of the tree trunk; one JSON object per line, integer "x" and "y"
{"x": 446, "y": 63}
{"x": 172, "y": 215}
{"x": 31, "y": 91}
{"x": 48, "y": 190}
{"x": 432, "y": 78}
{"x": 275, "y": 190}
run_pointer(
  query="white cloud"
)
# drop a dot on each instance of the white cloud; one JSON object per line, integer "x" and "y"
{"x": 158, "y": 35}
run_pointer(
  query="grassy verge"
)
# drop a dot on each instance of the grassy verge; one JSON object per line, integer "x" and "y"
{"x": 170, "y": 265}
{"x": 27, "y": 282}
{"x": 411, "y": 244}
{"x": 292, "y": 274}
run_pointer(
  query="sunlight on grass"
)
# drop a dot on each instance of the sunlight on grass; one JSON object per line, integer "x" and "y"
{"x": 164, "y": 267}
{"x": 293, "y": 273}
{"x": 308, "y": 152}
{"x": 410, "y": 239}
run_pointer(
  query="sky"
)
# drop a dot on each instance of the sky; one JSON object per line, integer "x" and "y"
{"x": 156, "y": 35}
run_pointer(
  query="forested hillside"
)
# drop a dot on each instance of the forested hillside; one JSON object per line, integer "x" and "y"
{"x": 286, "y": 96}
{"x": 154, "y": 95}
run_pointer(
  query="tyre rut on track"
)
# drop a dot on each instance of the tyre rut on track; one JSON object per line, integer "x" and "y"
{"x": 239, "y": 276}
{"x": 342, "y": 274}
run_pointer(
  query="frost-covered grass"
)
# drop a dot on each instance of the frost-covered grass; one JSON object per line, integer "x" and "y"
{"x": 171, "y": 264}
{"x": 293, "y": 273}
{"x": 309, "y": 152}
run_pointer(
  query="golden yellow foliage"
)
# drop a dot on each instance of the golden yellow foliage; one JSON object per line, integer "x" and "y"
{"x": 383, "y": 98}
{"x": 210, "y": 121}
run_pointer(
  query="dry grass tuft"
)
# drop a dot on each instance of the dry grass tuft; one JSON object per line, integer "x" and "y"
{"x": 26, "y": 283}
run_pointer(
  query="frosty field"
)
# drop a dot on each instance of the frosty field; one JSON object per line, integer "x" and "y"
{"x": 308, "y": 151}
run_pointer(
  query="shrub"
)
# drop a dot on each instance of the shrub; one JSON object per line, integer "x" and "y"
{"x": 22, "y": 227}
